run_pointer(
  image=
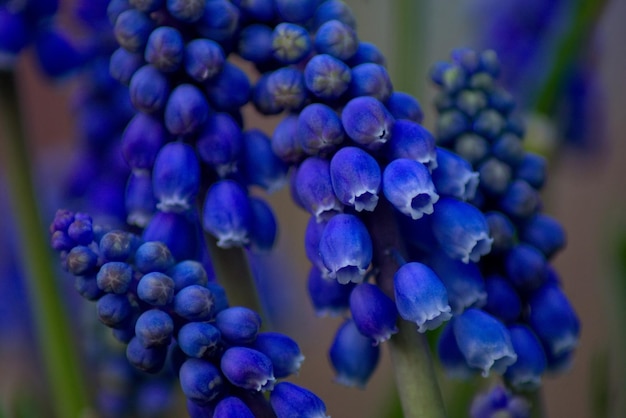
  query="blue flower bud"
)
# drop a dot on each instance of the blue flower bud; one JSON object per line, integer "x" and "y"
{"x": 232, "y": 407}
{"x": 336, "y": 39}
{"x": 132, "y": 29}
{"x": 373, "y": 313}
{"x": 454, "y": 176}
{"x": 227, "y": 213}
{"x": 124, "y": 64}
{"x": 153, "y": 256}
{"x": 175, "y": 177}
{"x": 179, "y": 231}
{"x": 81, "y": 230}
{"x": 147, "y": 6}
{"x": 370, "y": 79}
{"x": 289, "y": 400}
{"x": 509, "y": 148}
{"x": 117, "y": 245}
{"x": 247, "y": 368}
{"x": 201, "y": 381}
{"x": 290, "y": 43}
{"x": 139, "y": 198}
{"x": 296, "y": 11}
{"x": 411, "y": 140}
{"x": 229, "y": 89}
{"x": 262, "y": 167}
{"x": 142, "y": 139}
{"x": 334, "y": 10}
{"x": 285, "y": 143}
{"x": 346, "y": 248}
{"x": 520, "y": 200}
{"x": 420, "y": 296}
{"x": 319, "y": 129}
{"x": 461, "y": 230}
{"x": 526, "y": 267}
{"x": 501, "y": 100}
{"x": 264, "y": 226}
{"x": 450, "y": 125}
{"x": 220, "y": 301}
{"x": 113, "y": 310}
{"x": 198, "y": 339}
{"x": 484, "y": 341}
{"x": 286, "y": 88}
{"x": 187, "y": 273}
{"x": 503, "y": 301}
{"x": 472, "y": 147}
{"x": 464, "y": 282}
{"x": 255, "y": 43}
{"x": 408, "y": 186}
{"x": 149, "y": 360}
{"x": 525, "y": 373}
{"x": 502, "y": 230}
{"x": 312, "y": 236}
{"x": 499, "y": 401}
{"x": 154, "y": 328}
{"x": 115, "y": 8}
{"x": 356, "y": 178}
{"x": 489, "y": 123}
{"x": 219, "y": 21}
{"x": 262, "y": 99}
{"x": 329, "y": 297}
{"x": 554, "y": 321}
{"x": 315, "y": 189}
{"x": 115, "y": 277}
{"x": 81, "y": 260}
{"x": 532, "y": 169}
{"x": 186, "y": 110}
{"x": 544, "y": 233}
{"x": 283, "y": 351}
{"x": 471, "y": 102}
{"x": 404, "y": 106}
{"x": 367, "y": 122}
{"x": 367, "y": 53}
{"x": 495, "y": 176}
{"x": 451, "y": 357}
{"x": 238, "y": 325}
{"x": 327, "y": 77}
{"x": 156, "y": 289}
{"x": 220, "y": 143}
{"x": 149, "y": 89}
{"x": 204, "y": 59}
{"x": 87, "y": 287}
{"x": 353, "y": 356}
{"x": 187, "y": 11}
{"x": 195, "y": 303}
{"x": 165, "y": 49}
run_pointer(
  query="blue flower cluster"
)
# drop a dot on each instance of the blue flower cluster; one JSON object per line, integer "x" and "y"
{"x": 523, "y": 311}
{"x": 170, "y": 314}
{"x": 498, "y": 401}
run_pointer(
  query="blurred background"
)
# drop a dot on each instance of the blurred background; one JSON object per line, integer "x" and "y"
{"x": 582, "y": 134}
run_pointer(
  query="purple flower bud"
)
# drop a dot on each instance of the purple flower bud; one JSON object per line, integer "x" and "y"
{"x": 520, "y": 200}
{"x": 255, "y": 43}
{"x": 461, "y": 230}
{"x": 503, "y": 301}
{"x": 139, "y": 198}
{"x": 285, "y": 142}
{"x": 149, "y": 89}
{"x": 187, "y": 11}
{"x": 264, "y": 227}
{"x": 227, "y": 214}
{"x": 411, "y": 140}
{"x": 454, "y": 176}
{"x": 329, "y": 297}
{"x": 484, "y": 341}
{"x": 319, "y": 129}
{"x": 179, "y": 231}
{"x": 154, "y": 328}
{"x": 336, "y": 39}
{"x": 408, "y": 186}
{"x": 296, "y": 11}
{"x": 499, "y": 401}
{"x": 356, "y": 178}
{"x": 283, "y": 351}
{"x": 232, "y": 407}
{"x": 147, "y": 6}
{"x": 123, "y": 65}
{"x": 156, "y": 289}
{"x": 315, "y": 190}
{"x": 327, "y": 77}
{"x": 290, "y": 43}
{"x": 286, "y": 88}
{"x": 81, "y": 230}
{"x": 367, "y": 53}
{"x": 115, "y": 277}
{"x": 132, "y": 29}
{"x": 495, "y": 176}
{"x": 186, "y": 110}
{"x": 201, "y": 381}
{"x": 229, "y": 89}
{"x": 502, "y": 231}
{"x": 198, "y": 339}
{"x": 404, "y": 106}
{"x": 149, "y": 360}
{"x": 526, "y": 267}
{"x": 187, "y": 273}
{"x": 334, "y": 10}
{"x": 370, "y": 79}
{"x": 238, "y": 325}
{"x": 164, "y": 49}
{"x": 247, "y": 368}
{"x": 450, "y": 125}
{"x": 488, "y": 124}
{"x": 195, "y": 303}
{"x": 451, "y": 357}
{"x": 153, "y": 256}
{"x": 81, "y": 261}
{"x": 289, "y": 400}
{"x": 346, "y": 248}
{"x": 472, "y": 147}
{"x": 353, "y": 356}
{"x": 113, "y": 310}
{"x": 220, "y": 143}
{"x": 219, "y": 21}
{"x": 525, "y": 373}
{"x": 367, "y": 122}
{"x": 509, "y": 148}
{"x": 420, "y": 296}
{"x": 204, "y": 59}
{"x": 471, "y": 102}
{"x": 544, "y": 233}
{"x": 374, "y": 314}
{"x": 262, "y": 167}
{"x": 262, "y": 98}
{"x": 118, "y": 245}
{"x": 142, "y": 139}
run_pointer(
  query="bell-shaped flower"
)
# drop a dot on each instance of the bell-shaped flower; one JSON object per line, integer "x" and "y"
{"x": 526, "y": 267}
{"x": 356, "y": 178}
{"x": 220, "y": 143}
{"x": 484, "y": 341}
{"x": 319, "y": 129}
{"x": 247, "y": 368}
{"x": 408, "y": 186}
{"x": 176, "y": 177}
{"x": 461, "y": 230}
{"x": 261, "y": 167}
{"x": 283, "y": 351}
{"x": 201, "y": 381}
{"x": 525, "y": 373}
{"x": 315, "y": 189}
{"x": 346, "y": 248}
{"x": 289, "y": 400}
{"x": 232, "y": 407}
{"x": 238, "y": 325}
{"x": 544, "y": 233}
{"x": 374, "y": 314}
{"x": 353, "y": 356}
{"x": 411, "y": 140}
{"x": 503, "y": 300}
{"x": 264, "y": 227}
{"x": 367, "y": 122}
{"x": 227, "y": 214}
{"x": 450, "y": 356}
{"x": 420, "y": 296}
{"x": 498, "y": 401}
{"x": 454, "y": 176}
{"x": 329, "y": 297}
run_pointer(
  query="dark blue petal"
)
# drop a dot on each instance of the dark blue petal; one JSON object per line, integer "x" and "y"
{"x": 165, "y": 49}
{"x": 526, "y": 267}
{"x": 283, "y": 351}
{"x": 187, "y": 273}
{"x": 201, "y": 381}
{"x": 356, "y": 178}
{"x": 204, "y": 59}
{"x": 227, "y": 214}
{"x": 289, "y": 400}
{"x": 411, "y": 140}
{"x": 408, "y": 186}
{"x": 327, "y": 77}
{"x": 296, "y": 11}
{"x": 262, "y": 167}
{"x": 329, "y": 297}
{"x": 454, "y": 176}
{"x": 404, "y": 106}
{"x": 367, "y": 122}
{"x": 370, "y": 79}
{"x": 336, "y": 39}
{"x": 285, "y": 142}
{"x": 149, "y": 89}
{"x": 247, "y": 368}
{"x": 186, "y": 110}
{"x": 139, "y": 198}
{"x": 525, "y": 373}
{"x": 154, "y": 328}
{"x": 503, "y": 301}
{"x": 132, "y": 29}
{"x": 220, "y": 143}
{"x": 198, "y": 339}
{"x": 264, "y": 226}
{"x": 319, "y": 129}
{"x": 544, "y": 233}
{"x": 315, "y": 190}
{"x": 232, "y": 407}
{"x": 149, "y": 360}
{"x": 142, "y": 140}
{"x": 353, "y": 356}
{"x": 238, "y": 325}
{"x": 219, "y": 21}
{"x": 374, "y": 314}
{"x": 176, "y": 177}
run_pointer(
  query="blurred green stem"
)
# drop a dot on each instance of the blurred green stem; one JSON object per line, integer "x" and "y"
{"x": 53, "y": 332}
{"x": 409, "y": 47}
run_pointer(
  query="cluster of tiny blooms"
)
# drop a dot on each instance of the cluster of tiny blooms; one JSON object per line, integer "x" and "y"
{"x": 516, "y": 305}
{"x": 499, "y": 402}
{"x": 172, "y": 316}
{"x": 33, "y": 22}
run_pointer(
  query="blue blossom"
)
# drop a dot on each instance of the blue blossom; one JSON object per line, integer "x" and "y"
{"x": 497, "y": 401}
{"x": 373, "y": 312}
{"x": 289, "y": 400}
{"x": 408, "y": 185}
{"x": 353, "y": 356}
{"x": 356, "y": 178}
{"x": 247, "y": 368}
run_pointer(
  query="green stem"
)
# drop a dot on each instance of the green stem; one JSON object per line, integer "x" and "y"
{"x": 585, "y": 15}
{"x": 538, "y": 408}
{"x": 414, "y": 372}
{"x": 54, "y": 337}
{"x": 410, "y": 72}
